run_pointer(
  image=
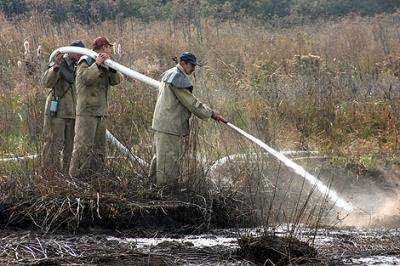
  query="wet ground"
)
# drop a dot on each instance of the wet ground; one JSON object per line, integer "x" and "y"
{"x": 374, "y": 194}
{"x": 345, "y": 246}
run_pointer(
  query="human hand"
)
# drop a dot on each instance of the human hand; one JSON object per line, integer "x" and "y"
{"x": 219, "y": 118}
{"x": 101, "y": 58}
{"x": 57, "y": 61}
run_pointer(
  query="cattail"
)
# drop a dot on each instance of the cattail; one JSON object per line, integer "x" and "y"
{"x": 26, "y": 46}
{"x": 39, "y": 51}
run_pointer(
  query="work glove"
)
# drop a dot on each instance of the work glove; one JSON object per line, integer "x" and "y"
{"x": 219, "y": 118}
{"x": 57, "y": 61}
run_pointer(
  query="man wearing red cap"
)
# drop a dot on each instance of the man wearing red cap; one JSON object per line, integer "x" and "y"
{"x": 92, "y": 83}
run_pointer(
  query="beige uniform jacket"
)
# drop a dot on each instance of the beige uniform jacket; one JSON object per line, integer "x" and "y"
{"x": 176, "y": 103}
{"x": 62, "y": 84}
{"x": 92, "y": 84}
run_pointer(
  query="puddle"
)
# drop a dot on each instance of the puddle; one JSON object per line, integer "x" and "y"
{"x": 343, "y": 246}
{"x": 375, "y": 260}
{"x": 349, "y": 246}
{"x": 197, "y": 241}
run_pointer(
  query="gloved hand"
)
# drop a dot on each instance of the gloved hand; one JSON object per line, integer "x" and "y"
{"x": 217, "y": 117}
{"x": 57, "y": 61}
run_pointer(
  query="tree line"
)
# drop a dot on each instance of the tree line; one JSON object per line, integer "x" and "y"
{"x": 92, "y": 11}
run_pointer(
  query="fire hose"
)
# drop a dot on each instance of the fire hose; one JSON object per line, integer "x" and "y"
{"x": 312, "y": 180}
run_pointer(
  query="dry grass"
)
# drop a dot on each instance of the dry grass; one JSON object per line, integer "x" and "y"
{"x": 331, "y": 86}
{"x": 316, "y": 86}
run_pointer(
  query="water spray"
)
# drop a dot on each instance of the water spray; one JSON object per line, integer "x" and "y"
{"x": 320, "y": 186}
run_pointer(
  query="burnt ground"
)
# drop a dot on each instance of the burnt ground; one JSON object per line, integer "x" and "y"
{"x": 61, "y": 233}
{"x": 334, "y": 246}
{"x": 32, "y": 248}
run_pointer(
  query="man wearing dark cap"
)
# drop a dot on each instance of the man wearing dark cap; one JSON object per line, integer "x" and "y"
{"x": 92, "y": 83}
{"x": 59, "y": 118}
{"x": 175, "y": 104}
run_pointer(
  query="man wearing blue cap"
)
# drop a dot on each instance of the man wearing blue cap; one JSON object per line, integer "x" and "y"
{"x": 175, "y": 104}
{"x": 59, "y": 118}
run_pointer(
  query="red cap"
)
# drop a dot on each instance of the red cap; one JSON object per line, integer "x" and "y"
{"x": 100, "y": 41}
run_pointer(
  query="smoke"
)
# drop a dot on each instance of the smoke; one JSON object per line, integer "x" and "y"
{"x": 311, "y": 179}
{"x": 377, "y": 208}
{"x": 390, "y": 208}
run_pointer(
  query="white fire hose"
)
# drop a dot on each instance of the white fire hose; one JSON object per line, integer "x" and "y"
{"x": 320, "y": 186}
{"x": 124, "y": 70}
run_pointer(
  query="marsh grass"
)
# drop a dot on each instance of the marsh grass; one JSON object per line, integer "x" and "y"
{"x": 330, "y": 86}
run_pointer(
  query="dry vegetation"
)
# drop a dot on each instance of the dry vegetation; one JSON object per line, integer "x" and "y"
{"x": 331, "y": 86}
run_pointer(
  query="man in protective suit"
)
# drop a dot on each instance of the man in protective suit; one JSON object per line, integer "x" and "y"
{"x": 175, "y": 104}
{"x": 92, "y": 83}
{"x": 59, "y": 118}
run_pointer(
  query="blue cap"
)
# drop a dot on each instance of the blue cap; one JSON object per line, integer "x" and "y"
{"x": 77, "y": 43}
{"x": 189, "y": 58}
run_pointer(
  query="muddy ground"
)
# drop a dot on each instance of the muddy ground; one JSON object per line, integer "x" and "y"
{"x": 373, "y": 193}
{"x": 346, "y": 246}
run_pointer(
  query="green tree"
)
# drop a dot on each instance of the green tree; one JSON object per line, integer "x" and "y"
{"x": 12, "y": 8}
